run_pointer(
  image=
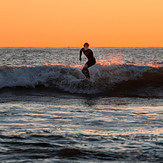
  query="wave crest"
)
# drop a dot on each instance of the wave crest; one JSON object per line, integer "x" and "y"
{"x": 66, "y": 78}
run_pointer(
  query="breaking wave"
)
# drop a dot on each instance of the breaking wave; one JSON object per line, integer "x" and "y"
{"x": 104, "y": 78}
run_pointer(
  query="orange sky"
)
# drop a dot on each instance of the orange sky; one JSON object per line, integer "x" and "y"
{"x": 62, "y": 23}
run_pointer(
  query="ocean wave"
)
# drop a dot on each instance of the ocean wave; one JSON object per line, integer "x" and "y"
{"x": 104, "y": 78}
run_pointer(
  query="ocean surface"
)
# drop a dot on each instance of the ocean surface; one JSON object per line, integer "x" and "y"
{"x": 49, "y": 112}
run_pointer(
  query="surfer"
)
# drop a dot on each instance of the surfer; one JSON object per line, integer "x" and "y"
{"x": 91, "y": 59}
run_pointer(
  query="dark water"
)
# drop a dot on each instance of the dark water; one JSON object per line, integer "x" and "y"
{"x": 50, "y": 113}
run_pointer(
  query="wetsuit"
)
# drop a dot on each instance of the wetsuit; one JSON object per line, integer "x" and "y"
{"x": 91, "y": 60}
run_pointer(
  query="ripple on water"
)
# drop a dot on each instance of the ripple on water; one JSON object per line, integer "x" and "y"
{"x": 41, "y": 131}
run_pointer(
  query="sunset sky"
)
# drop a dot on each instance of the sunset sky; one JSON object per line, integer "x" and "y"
{"x": 62, "y": 23}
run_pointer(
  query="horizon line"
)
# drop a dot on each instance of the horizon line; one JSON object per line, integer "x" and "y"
{"x": 81, "y": 46}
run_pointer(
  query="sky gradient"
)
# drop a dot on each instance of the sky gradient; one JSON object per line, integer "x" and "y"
{"x": 63, "y": 23}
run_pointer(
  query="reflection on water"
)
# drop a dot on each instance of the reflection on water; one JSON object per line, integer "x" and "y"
{"x": 90, "y": 101}
{"x": 81, "y": 129}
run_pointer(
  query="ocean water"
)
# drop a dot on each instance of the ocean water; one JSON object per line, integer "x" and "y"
{"x": 49, "y": 112}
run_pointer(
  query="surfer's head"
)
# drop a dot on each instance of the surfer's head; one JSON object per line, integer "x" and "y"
{"x": 86, "y": 46}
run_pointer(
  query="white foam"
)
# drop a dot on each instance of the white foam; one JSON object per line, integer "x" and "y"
{"x": 69, "y": 78}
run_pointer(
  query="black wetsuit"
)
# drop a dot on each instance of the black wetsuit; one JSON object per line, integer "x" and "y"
{"x": 91, "y": 60}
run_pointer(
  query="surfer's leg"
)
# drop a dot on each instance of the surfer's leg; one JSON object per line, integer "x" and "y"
{"x": 85, "y": 71}
{"x": 91, "y": 63}
{"x": 87, "y": 65}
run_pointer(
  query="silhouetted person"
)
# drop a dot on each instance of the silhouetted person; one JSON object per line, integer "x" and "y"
{"x": 91, "y": 59}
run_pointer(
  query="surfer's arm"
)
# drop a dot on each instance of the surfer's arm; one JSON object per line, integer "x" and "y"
{"x": 91, "y": 57}
{"x": 81, "y": 50}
